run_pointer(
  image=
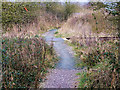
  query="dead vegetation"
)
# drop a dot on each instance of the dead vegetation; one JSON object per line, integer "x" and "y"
{"x": 40, "y": 24}
{"x": 94, "y": 36}
{"x": 88, "y": 23}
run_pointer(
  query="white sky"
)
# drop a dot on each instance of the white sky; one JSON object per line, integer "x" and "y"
{"x": 61, "y": 0}
{"x": 52, "y": 0}
{"x": 75, "y": 0}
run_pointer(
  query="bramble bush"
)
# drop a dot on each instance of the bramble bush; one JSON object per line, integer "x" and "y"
{"x": 25, "y": 62}
{"x": 14, "y": 13}
{"x": 103, "y": 66}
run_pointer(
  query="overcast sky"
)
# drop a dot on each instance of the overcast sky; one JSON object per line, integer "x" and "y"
{"x": 74, "y": 0}
{"x": 52, "y": 0}
{"x": 64, "y": 0}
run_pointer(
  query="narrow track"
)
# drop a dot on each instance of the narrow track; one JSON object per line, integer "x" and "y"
{"x": 64, "y": 75}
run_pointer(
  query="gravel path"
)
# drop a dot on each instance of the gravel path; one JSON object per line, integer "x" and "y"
{"x": 60, "y": 78}
{"x": 64, "y": 75}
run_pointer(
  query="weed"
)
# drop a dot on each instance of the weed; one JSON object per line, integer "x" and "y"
{"x": 56, "y": 32}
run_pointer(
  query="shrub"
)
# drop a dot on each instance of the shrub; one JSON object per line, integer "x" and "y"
{"x": 14, "y": 13}
{"x": 25, "y": 62}
{"x": 103, "y": 66}
{"x": 69, "y": 9}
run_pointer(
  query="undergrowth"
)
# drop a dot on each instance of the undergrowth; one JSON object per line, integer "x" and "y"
{"x": 25, "y": 61}
{"x": 102, "y": 62}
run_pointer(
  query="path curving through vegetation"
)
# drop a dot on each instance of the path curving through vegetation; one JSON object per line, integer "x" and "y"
{"x": 64, "y": 74}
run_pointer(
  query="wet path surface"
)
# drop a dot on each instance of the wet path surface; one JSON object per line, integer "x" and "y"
{"x": 64, "y": 51}
{"x": 64, "y": 74}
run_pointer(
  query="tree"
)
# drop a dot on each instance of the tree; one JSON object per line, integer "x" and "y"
{"x": 69, "y": 9}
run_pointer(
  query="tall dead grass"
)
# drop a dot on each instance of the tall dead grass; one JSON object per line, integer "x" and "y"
{"x": 43, "y": 22}
{"x": 88, "y": 23}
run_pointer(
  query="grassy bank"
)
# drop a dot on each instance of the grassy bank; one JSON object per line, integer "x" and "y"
{"x": 89, "y": 23}
{"x": 25, "y": 61}
{"x": 102, "y": 62}
{"x": 100, "y": 57}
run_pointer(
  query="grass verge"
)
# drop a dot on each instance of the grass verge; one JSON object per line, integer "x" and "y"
{"x": 102, "y": 62}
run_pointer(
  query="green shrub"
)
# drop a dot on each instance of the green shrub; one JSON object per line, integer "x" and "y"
{"x": 69, "y": 9}
{"x": 14, "y": 13}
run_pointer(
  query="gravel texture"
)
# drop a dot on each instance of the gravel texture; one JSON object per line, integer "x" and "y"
{"x": 60, "y": 78}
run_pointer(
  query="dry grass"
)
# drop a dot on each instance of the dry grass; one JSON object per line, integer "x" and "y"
{"x": 88, "y": 23}
{"x": 98, "y": 54}
{"x": 102, "y": 60}
{"x": 42, "y": 23}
